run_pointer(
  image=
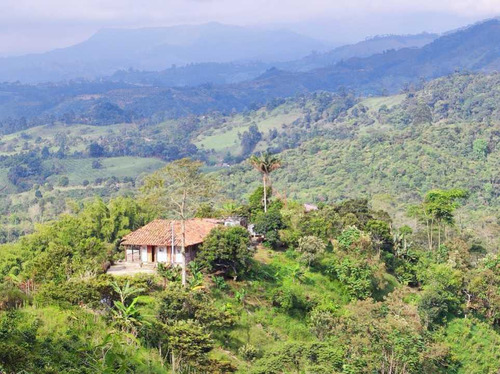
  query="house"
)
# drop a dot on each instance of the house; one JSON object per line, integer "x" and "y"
{"x": 160, "y": 241}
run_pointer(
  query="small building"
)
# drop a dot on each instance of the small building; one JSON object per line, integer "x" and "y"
{"x": 310, "y": 207}
{"x": 235, "y": 221}
{"x": 256, "y": 238}
{"x": 160, "y": 241}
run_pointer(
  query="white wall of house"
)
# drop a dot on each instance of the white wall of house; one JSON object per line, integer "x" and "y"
{"x": 144, "y": 253}
{"x": 177, "y": 255}
{"x": 161, "y": 254}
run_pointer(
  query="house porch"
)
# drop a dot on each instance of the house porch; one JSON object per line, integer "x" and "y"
{"x": 150, "y": 254}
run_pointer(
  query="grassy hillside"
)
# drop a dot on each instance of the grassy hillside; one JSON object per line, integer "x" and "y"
{"x": 227, "y": 138}
{"x": 35, "y": 163}
{"x": 79, "y": 137}
{"x": 80, "y": 170}
{"x": 119, "y": 167}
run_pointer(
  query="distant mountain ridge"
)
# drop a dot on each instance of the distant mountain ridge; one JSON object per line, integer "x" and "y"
{"x": 110, "y": 50}
{"x": 365, "y": 48}
{"x": 234, "y": 72}
{"x": 475, "y": 49}
{"x": 190, "y": 55}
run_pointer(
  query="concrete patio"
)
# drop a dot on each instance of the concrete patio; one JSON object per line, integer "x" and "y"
{"x": 130, "y": 268}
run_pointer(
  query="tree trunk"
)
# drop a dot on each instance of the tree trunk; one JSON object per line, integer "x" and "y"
{"x": 183, "y": 237}
{"x": 432, "y": 234}
{"x": 439, "y": 234}
{"x": 183, "y": 250}
{"x": 265, "y": 193}
{"x": 429, "y": 238}
{"x": 173, "y": 363}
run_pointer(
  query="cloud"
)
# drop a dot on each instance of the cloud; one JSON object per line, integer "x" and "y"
{"x": 239, "y": 10}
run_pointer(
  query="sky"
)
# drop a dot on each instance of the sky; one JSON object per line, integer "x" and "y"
{"x": 30, "y": 26}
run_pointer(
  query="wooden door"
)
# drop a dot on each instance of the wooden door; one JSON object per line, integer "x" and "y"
{"x": 150, "y": 254}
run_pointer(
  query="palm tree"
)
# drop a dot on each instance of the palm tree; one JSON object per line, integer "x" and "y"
{"x": 265, "y": 164}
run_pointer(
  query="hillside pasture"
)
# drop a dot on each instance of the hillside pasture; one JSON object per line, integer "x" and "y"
{"x": 78, "y": 170}
{"x": 227, "y": 138}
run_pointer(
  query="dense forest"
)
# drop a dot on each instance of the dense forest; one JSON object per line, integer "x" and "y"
{"x": 396, "y": 149}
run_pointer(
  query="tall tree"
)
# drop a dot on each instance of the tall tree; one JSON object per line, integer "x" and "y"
{"x": 437, "y": 210}
{"x": 265, "y": 163}
{"x": 441, "y": 204}
{"x": 180, "y": 187}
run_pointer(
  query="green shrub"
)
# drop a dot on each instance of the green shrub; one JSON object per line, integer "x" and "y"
{"x": 441, "y": 298}
{"x": 269, "y": 224}
{"x": 11, "y": 297}
{"x": 316, "y": 357}
{"x": 219, "y": 283}
{"x": 355, "y": 274}
{"x": 170, "y": 273}
{"x": 283, "y": 299}
{"x": 226, "y": 250}
{"x": 180, "y": 304}
{"x": 356, "y": 264}
{"x": 190, "y": 345}
{"x": 248, "y": 352}
{"x": 63, "y": 181}
{"x": 472, "y": 342}
{"x": 287, "y": 299}
{"x": 312, "y": 248}
{"x": 75, "y": 292}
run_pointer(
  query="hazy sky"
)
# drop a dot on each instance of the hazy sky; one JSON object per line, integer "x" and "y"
{"x": 38, "y": 25}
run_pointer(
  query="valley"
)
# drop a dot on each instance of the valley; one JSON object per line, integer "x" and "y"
{"x": 333, "y": 148}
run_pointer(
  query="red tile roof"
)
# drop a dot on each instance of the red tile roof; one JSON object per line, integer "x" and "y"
{"x": 159, "y": 232}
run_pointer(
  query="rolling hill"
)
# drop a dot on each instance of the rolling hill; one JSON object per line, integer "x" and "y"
{"x": 395, "y": 149}
{"x": 334, "y": 146}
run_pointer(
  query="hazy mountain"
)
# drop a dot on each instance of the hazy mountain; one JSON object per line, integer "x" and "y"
{"x": 194, "y": 74}
{"x": 364, "y": 48}
{"x": 475, "y": 48}
{"x": 110, "y": 50}
{"x": 227, "y": 73}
